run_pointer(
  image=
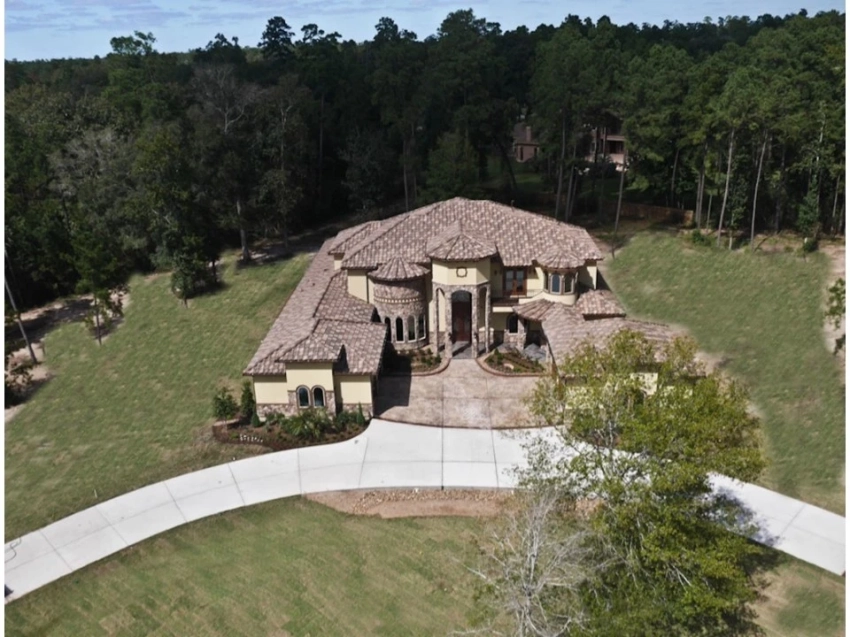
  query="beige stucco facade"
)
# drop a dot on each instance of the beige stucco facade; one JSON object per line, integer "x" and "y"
{"x": 353, "y": 390}
{"x": 461, "y": 273}
{"x": 270, "y": 390}
{"x": 358, "y": 284}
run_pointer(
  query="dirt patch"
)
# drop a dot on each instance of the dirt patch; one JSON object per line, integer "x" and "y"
{"x": 407, "y": 503}
{"x": 837, "y": 270}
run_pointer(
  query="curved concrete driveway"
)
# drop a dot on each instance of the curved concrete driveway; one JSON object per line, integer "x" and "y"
{"x": 386, "y": 455}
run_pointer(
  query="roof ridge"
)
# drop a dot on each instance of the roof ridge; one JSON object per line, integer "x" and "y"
{"x": 386, "y": 227}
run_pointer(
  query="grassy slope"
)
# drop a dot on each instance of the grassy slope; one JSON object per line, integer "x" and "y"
{"x": 762, "y": 313}
{"x": 135, "y": 410}
{"x": 288, "y": 567}
{"x": 802, "y": 600}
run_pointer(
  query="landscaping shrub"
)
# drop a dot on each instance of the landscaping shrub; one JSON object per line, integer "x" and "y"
{"x": 309, "y": 424}
{"x": 699, "y": 239}
{"x": 224, "y": 405}
{"x": 246, "y": 402}
{"x": 255, "y": 419}
{"x": 345, "y": 419}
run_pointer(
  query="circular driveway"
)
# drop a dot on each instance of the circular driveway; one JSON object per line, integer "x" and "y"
{"x": 463, "y": 395}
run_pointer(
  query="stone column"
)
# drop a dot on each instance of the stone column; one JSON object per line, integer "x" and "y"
{"x": 487, "y": 317}
{"x": 436, "y": 341}
{"x": 473, "y": 300}
{"x": 448, "y": 314}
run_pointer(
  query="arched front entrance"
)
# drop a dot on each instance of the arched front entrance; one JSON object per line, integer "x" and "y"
{"x": 461, "y": 317}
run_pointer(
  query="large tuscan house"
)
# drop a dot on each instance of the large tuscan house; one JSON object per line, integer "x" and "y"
{"x": 455, "y": 276}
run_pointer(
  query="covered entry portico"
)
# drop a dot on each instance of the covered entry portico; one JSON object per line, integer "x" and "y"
{"x": 459, "y": 308}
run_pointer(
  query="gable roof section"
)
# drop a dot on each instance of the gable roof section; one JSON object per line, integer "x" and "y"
{"x": 566, "y": 330}
{"x": 517, "y": 236}
{"x": 599, "y": 303}
{"x": 318, "y": 320}
{"x": 455, "y": 244}
{"x": 351, "y": 236}
{"x": 534, "y": 311}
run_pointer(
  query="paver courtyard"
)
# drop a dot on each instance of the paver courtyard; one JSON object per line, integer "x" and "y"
{"x": 464, "y": 395}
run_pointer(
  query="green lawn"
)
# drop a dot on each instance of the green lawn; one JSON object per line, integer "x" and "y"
{"x": 137, "y": 409}
{"x": 293, "y": 567}
{"x": 802, "y": 600}
{"x": 289, "y": 567}
{"x": 762, "y": 313}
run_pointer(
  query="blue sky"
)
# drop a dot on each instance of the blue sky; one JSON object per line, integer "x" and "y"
{"x": 82, "y": 28}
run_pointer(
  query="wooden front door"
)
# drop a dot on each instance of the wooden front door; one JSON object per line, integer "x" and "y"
{"x": 461, "y": 321}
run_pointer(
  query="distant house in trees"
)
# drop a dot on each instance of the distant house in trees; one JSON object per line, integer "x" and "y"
{"x": 608, "y": 143}
{"x": 525, "y": 146}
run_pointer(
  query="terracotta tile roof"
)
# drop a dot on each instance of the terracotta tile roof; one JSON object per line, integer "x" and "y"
{"x": 351, "y": 236}
{"x": 566, "y": 330}
{"x": 397, "y": 269}
{"x": 362, "y": 344}
{"x": 599, "y": 303}
{"x": 560, "y": 257}
{"x": 320, "y": 318}
{"x": 338, "y": 304}
{"x": 518, "y": 236}
{"x": 534, "y": 311}
{"x": 315, "y": 347}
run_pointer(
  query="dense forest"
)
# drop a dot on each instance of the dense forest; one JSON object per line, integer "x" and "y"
{"x": 142, "y": 159}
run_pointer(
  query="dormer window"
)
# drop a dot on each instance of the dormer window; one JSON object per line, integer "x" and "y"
{"x": 560, "y": 283}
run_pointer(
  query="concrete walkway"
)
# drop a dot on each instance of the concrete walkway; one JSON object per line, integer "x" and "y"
{"x": 387, "y": 455}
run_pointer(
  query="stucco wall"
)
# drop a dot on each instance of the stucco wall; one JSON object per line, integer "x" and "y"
{"x": 352, "y": 390}
{"x": 535, "y": 280}
{"x": 587, "y": 275}
{"x": 270, "y": 389}
{"x": 358, "y": 284}
{"x": 275, "y": 389}
{"x": 310, "y": 375}
{"x": 447, "y": 273}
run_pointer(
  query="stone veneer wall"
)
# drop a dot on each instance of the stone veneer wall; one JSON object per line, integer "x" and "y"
{"x": 291, "y": 408}
{"x": 394, "y": 299}
{"x": 518, "y": 339}
{"x": 367, "y": 408}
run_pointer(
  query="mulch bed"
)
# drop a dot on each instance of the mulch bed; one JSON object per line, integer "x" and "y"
{"x": 275, "y": 438}
{"x": 513, "y": 363}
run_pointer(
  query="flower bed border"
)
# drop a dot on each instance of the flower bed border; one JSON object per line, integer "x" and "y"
{"x": 482, "y": 363}
{"x": 250, "y": 435}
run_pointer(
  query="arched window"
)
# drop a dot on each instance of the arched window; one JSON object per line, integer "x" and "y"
{"x": 399, "y": 330}
{"x": 513, "y": 324}
{"x": 389, "y": 329}
{"x": 555, "y": 283}
{"x": 303, "y": 396}
{"x": 569, "y": 283}
{"x": 411, "y": 329}
{"x": 318, "y": 397}
{"x": 420, "y": 328}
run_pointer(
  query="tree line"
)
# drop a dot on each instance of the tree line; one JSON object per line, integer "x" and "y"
{"x": 143, "y": 159}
